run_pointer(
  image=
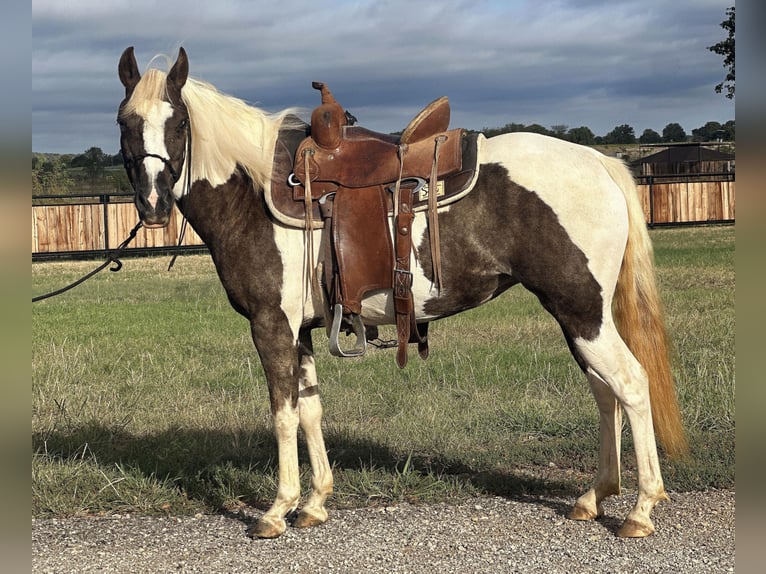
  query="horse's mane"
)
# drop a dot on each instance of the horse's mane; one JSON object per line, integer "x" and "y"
{"x": 226, "y": 131}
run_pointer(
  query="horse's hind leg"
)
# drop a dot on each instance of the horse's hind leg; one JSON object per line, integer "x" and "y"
{"x": 607, "y": 481}
{"x": 313, "y": 512}
{"x": 609, "y": 362}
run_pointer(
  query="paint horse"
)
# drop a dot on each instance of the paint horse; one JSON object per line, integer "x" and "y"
{"x": 560, "y": 219}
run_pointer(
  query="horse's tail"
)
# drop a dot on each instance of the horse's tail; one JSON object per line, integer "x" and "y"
{"x": 638, "y": 314}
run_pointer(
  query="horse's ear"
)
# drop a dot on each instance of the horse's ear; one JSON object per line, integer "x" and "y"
{"x": 128, "y": 70}
{"x": 178, "y": 73}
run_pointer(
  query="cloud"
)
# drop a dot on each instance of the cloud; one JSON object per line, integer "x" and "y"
{"x": 567, "y": 62}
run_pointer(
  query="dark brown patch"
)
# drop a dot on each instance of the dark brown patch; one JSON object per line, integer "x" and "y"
{"x": 502, "y": 234}
{"x": 233, "y": 221}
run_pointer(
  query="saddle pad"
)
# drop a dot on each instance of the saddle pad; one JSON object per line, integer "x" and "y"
{"x": 280, "y": 195}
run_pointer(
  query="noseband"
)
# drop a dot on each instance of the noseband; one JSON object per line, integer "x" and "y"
{"x": 128, "y": 161}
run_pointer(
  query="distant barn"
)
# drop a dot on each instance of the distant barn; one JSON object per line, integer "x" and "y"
{"x": 684, "y": 159}
{"x": 686, "y": 183}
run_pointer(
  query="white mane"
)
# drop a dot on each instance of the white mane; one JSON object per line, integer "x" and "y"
{"x": 226, "y": 131}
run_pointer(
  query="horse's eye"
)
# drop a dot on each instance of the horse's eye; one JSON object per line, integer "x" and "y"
{"x": 182, "y": 124}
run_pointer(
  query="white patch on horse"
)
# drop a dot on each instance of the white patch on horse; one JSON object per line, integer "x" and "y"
{"x": 299, "y": 301}
{"x": 154, "y": 142}
{"x": 423, "y": 288}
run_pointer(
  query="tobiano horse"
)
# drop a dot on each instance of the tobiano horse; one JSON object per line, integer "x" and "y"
{"x": 562, "y": 220}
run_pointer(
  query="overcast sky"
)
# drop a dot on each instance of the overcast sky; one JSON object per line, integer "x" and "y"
{"x": 567, "y": 62}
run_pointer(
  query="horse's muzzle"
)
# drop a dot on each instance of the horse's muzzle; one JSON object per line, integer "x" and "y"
{"x": 160, "y": 225}
{"x": 154, "y": 214}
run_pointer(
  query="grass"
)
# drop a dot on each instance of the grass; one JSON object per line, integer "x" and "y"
{"x": 147, "y": 395}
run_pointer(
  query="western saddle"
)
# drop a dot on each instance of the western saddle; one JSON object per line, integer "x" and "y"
{"x": 350, "y": 181}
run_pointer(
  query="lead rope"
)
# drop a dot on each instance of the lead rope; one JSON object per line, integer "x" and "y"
{"x": 112, "y": 258}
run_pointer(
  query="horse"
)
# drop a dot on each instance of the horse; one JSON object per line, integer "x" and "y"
{"x": 562, "y": 220}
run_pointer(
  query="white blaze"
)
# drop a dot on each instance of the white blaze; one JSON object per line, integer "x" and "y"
{"x": 154, "y": 142}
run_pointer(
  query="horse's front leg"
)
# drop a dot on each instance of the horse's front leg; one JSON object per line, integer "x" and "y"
{"x": 313, "y": 512}
{"x": 279, "y": 355}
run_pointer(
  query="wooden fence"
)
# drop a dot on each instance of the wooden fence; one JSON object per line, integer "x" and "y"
{"x": 62, "y": 226}
{"x": 96, "y": 226}
{"x": 673, "y": 199}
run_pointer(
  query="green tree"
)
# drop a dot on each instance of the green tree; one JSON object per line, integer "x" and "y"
{"x": 51, "y": 177}
{"x": 650, "y": 137}
{"x": 673, "y": 132}
{"x": 623, "y": 134}
{"x": 93, "y": 162}
{"x": 538, "y": 129}
{"x": 711, "y": 131}
{"x": 559, "y": 131}
{"x": 507, "y": 128}
{"x": 582, "y": 135}
{"x": 725, "y": 48}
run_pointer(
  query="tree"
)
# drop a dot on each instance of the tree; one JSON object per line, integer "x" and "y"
{"x": 559, "y": 131}
{"x": 650, "y": 137}
{"x": 51, "y": 176}
{"x": 725, "y": 48}
{"x": 507, "y": 128}
{"x": 623, "y": 134}
{"x": 538, "y": 129}
{"x": 673, "y": 132}
{"x": 711, "y": 131}
{"x": 93, "y": 161}
{"x": 581, "y": 135}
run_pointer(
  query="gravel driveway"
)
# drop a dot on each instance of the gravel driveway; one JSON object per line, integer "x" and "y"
{"x": 695, "y": 533}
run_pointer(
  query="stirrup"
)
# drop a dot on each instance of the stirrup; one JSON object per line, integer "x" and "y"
{"x": 360, "y": 348}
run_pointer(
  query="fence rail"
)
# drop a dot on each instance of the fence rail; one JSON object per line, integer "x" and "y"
{"x": 90, "y": 225}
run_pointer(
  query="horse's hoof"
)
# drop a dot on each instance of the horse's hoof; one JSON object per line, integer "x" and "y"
{"x": 309, "y": 518}
{"x": 632, "y": 529}
{"x": 582, "y": 513}
{"x": 267, "y": 528}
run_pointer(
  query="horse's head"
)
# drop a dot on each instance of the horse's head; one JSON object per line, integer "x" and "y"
{"x": 154, "y": 126}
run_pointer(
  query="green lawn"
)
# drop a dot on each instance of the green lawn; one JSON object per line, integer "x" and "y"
{"x": 148, "y": 397}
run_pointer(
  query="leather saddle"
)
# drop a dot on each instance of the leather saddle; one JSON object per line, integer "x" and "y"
{"x": 353, "y": 182}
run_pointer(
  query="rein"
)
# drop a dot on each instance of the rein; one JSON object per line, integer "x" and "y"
{"x": 186, "y": 190}
{"x": 113, "y": 258}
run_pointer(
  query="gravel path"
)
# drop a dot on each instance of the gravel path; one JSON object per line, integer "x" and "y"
{"x": 695, "y": 533}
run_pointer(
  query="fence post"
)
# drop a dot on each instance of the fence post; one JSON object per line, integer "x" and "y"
{"x": 105, "y": 203}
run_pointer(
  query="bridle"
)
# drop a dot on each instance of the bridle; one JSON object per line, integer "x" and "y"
{"x": 186, "y": 159}
{"x": 129, "y": 161}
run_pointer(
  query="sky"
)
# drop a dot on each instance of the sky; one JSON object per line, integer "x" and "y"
{"x": 576, "y": 63}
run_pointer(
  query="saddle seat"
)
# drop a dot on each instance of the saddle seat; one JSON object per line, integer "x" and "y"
{"x": 339, "y": 154}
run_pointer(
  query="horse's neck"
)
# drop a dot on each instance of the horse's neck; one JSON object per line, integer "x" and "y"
{"x": 223, "y": 213}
